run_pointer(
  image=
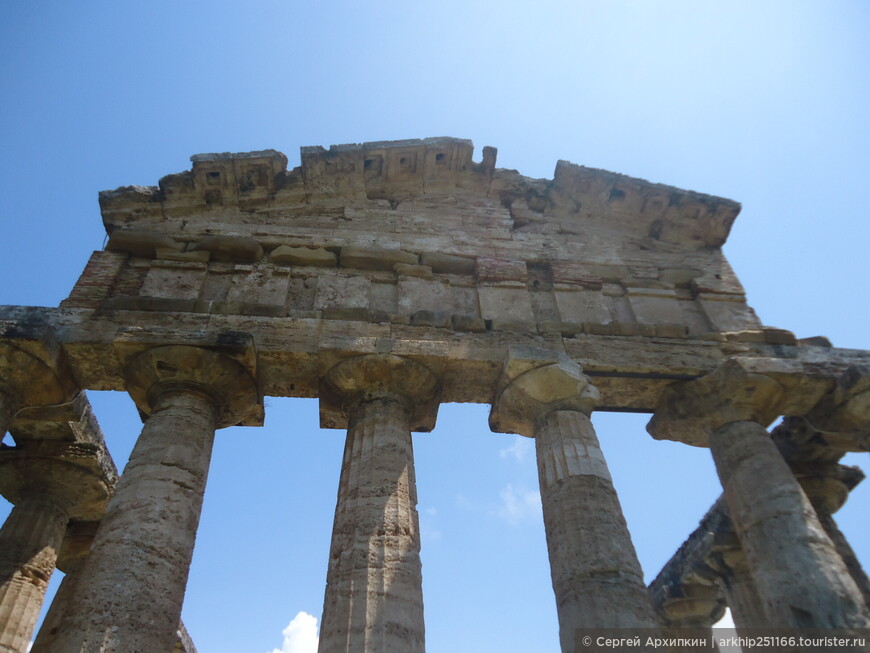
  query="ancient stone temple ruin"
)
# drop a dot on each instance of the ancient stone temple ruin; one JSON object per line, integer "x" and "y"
{"x": 385, "y": 279}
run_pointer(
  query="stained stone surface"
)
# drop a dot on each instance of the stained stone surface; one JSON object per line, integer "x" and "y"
{"x": 374, "y": 598}
{"x": 415, "y": 249}
{"x": 376, "y": 261}
{"x": 597, "y": 579}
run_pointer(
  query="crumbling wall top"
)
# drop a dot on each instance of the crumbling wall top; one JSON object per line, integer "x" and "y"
{"x": 577, "y": 202}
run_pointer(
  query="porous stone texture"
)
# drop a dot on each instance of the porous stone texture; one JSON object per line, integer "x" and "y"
{"x": 596, "y": 576}
{"x": 54, "y": 474}
{"x": 374, "y": 597}
{"x": 129, "y": 592}
{"x": 54, "y": 619}
{"x": 29, "y": 542}
{"x": 800, "y": 578}
{"x": 387, "y": 277}
{"x": 802, "y": 581}
{"x": 33, "y": 369}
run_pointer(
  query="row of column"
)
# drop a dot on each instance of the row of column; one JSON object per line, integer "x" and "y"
{"x": 129, "y": 590}
{"x": 785, "y": 555}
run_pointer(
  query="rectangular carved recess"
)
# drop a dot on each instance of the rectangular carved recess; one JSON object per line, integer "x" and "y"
{"x": 415, "y": 232}
{"x": 414, "y": 247}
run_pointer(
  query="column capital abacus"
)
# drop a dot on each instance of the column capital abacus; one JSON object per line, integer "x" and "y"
{"x": 229, "y": 385}
{"x": 33, "y": 371}
{"x": 534, "y": 383}
{"x": 691, "y": 605}
{"x": 379, "y": 376}
{"x": 843, "y": 415}
{"x": 827, "y": 486}
{"x": 65, "y": 474}
{"x": 690, "y": 411}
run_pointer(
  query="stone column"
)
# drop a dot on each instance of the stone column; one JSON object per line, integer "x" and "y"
{"x": 690, "y": 614}
{"x": 747, "y": 609}
{"x": 596, "y": 575}
{"x": 800, "y": 578}
{"x": 46, "y": 492}
{"x": 374, "y": 598}
{"x": 29, "y": 542}
{"x": 32, "y": 373}
{"x": 130, "y": 590}
{"x": 827, "y": 486}
{"x": 74, "y": 552}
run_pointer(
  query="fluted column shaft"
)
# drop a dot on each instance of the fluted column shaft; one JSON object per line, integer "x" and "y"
{"x": 374, "y": 597}
{"x": 129, "y": 593}
{"x": 800, "y": 578}
{"x": 747, "y": 608}
{"x": 29, "y": 543}
{"x": 596, "y": 575}
{"x": 45, "y": 638}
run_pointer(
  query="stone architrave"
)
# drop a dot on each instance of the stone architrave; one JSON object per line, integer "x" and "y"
{"x": 374, "y": 597}
{"x": 130, "y": 590}
{"x": 802, "y": 581}
{"x": 596, "y": 575}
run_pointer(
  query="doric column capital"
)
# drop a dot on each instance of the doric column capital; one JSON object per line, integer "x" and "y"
{"x": 691, "y": 605}
{"x": 379, "y": 376}
{"x": 827, "y": 486}
{"x": 534, "y": 383}
{"x": 691, "y": 410}
{"x": 33, "y": 371}
{"x": 843, "y": 415}
{"x": 64, "y": 474}
{"x": 228, "y": 384}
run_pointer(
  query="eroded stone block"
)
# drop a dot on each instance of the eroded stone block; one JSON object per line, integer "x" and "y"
{"x": 303, "y": 256}
{"x": 577, "y": 306}
{"x": 375, "y": 258}
{"x": 178, "y": 281}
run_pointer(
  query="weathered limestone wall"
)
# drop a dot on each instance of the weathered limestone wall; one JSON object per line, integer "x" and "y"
{"x": 411, "y": 248}
{"x": 385, "y": 278}
{"x": 416, "y": 233}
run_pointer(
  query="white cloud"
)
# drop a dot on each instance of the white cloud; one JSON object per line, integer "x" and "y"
{"x": 520, "y": 448}
{"x": 519, "y": 505}
{"x": 300, "y": 635}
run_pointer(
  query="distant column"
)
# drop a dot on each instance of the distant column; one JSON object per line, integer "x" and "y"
{"x": 800, "y": 578}
{"x": 29, "y": 542}
{"x": 46, "y": 492}
{"x": 374, "y": 596}
{"x": 76, "y": 548}
{"x": 596, "y": 575}
{"x": 813, "y": 457}
{"x": 747, "y": 608}
{"x": 691, "y": 615}
{"x": 130, "y": 590}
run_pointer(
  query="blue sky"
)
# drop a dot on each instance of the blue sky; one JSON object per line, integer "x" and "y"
{"x": 762, "y": 102}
